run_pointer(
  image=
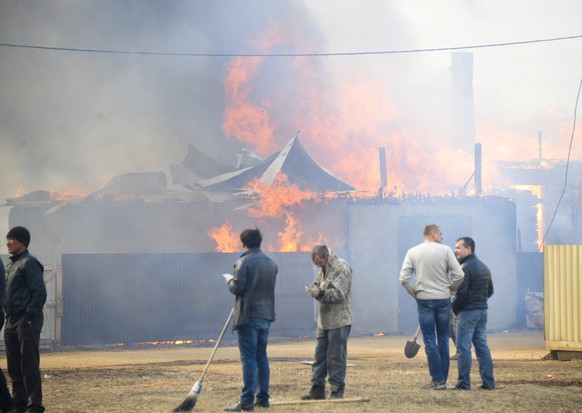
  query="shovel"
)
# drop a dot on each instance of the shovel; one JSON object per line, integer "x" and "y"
{"x": 411, "y": 348}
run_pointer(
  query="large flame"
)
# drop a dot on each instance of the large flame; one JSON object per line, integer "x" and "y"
{"x": 279, "y": 201}
{"x": 344, "y": 124}
{"x": 346, "y": 116}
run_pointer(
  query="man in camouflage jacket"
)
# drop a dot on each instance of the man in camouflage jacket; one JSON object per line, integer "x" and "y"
{"x": 332, "y": 289}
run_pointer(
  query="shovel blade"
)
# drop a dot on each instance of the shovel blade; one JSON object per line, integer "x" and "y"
{"x": 411, "y": 349}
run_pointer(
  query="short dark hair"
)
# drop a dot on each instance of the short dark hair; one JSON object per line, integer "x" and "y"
{"x": 468, "y": 242}
{"x": 251, "y": 238}
{"x": 321, "y": 251}
{"x": 430, "y": 228}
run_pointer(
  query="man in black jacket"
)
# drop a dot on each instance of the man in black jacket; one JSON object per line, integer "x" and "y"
{"x": 6, "y": 402}
{"x": 25, "y": 299}
{"x": 253, "y": 284}
{"x": 470, "y": 306}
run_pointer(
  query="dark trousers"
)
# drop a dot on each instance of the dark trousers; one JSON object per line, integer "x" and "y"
{"x": 331, "y": 357}
{"x": 22, "y": 342}
{"x": 6, "y": 402}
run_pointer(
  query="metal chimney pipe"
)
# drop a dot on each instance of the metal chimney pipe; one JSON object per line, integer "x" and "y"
{"x": 477, "y": 178}
{"x": 463, "y": 103}
{"x": 383, "y": 172}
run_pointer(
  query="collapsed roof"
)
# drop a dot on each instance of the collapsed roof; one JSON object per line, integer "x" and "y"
{"x": 207, "y": 179}
{"x": 292, "y": 161}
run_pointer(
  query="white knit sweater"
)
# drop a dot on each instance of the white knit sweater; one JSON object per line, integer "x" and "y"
{"x": 437, "y": 271}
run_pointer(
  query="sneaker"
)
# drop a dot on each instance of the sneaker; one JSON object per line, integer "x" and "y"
{"x": 459, "y": 387}
{"x": 484, "y": 387}
{"x": 436, "y": 385}
{"x": 239, "y": 408}
{"x": 264, "y": 405}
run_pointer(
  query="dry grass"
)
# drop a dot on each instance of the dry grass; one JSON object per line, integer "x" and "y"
{"x": 157, "y": 380}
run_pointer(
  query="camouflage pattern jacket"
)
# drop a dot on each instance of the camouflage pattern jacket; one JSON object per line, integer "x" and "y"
{"x": 335, "y": 282}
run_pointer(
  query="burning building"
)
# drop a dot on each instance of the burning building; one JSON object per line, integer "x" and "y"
{"x": 295, "y": 203}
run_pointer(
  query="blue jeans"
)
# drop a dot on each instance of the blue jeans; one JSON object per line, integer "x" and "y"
{"x": 252, "y": 344}
{"x": 472, "y": 328}
{"x": 435, "y": 315}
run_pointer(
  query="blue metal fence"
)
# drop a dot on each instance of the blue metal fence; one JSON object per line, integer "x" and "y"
{"x": 132, "y": 298}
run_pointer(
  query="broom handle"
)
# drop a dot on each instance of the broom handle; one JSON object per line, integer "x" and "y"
{"x": 217, "y": 344}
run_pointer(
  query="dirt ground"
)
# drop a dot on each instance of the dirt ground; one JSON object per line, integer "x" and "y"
{"x": 157, "y": 379}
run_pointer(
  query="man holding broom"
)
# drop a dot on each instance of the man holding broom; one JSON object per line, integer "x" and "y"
{"x": 253, "y": 284}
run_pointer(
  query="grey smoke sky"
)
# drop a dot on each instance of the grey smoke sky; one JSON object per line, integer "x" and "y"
{"x": 74, "y": 120}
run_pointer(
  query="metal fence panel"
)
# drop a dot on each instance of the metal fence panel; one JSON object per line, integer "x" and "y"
{"x": 132, "y": 298}
{"x": 563, "y": 297}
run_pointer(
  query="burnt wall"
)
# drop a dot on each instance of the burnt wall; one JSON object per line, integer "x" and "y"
{"x": 381, "y": 234}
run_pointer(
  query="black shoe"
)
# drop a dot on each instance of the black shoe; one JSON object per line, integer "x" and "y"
{"x": 316, "y": 393}
{"x": 337, "y": 392}
{"x": 312, "y": 396}
{"x": 239, "y": 408}
{"x": 264, "y": 405}
{"x": 458, "y": 387}
{"x": 483, "y": 387}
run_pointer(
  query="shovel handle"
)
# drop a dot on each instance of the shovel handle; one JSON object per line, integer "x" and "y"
{"x": 417, "y": 332}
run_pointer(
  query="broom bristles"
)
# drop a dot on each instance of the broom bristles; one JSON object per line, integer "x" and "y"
{"x": 187, "y": 405}
{"x": 190, "y": 400}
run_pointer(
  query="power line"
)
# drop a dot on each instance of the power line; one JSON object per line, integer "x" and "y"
{"x": 362, "y": 53}
{"x": 567, "y": 167}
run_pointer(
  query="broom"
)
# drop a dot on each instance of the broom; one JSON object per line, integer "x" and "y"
{"x": 190, "y": 400}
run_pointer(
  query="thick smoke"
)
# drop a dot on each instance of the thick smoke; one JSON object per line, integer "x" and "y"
{"x": 71, "y": 120}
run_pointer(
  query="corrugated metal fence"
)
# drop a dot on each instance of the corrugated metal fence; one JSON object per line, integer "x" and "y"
{"x": 132, "y": 298}
{"x": 563, "y": 297}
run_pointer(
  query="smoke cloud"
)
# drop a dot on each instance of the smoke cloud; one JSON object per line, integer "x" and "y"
{"x": 72, "y": 120}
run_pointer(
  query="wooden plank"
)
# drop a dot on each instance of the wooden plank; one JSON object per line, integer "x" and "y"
{"x": 568, "y": 355}
{"x": 293, "y": 402}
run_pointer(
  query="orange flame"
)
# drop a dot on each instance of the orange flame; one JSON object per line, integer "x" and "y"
{"x": 536, "y": 191}
{"x": 280, "y": 200}
{"x": 243, "y": 120}
{"x": 246, "y": 121}
{"x": 66, "y": 195}
{"x": 277, "y": 198}
{"x": 225, "y": 237}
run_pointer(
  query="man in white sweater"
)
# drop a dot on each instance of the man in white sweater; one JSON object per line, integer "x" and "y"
{"x": 437, "y": 275}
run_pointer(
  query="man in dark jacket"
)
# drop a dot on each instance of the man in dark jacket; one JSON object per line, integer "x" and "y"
{"x": 6, "y": 402}
{"x": 25, "y": 299}
{"x": 470, "y": 306}
{"x": 253, "y": 284}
